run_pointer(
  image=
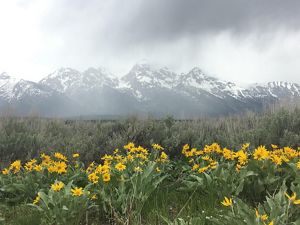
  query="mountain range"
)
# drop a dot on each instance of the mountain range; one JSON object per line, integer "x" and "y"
{"x": 144, "y": 90}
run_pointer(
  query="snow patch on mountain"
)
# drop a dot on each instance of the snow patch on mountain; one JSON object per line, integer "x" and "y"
{"x": 276, "y": 89}
{"x": 67, "y": 80}
{"x": 62, "y": 79}
{"x": 25, "y": 88}
{"x": 144, "y": 86}
{"x": 199, "y": 81}
{"x": 7, "y": 84}
{"x": 148, "y": 76}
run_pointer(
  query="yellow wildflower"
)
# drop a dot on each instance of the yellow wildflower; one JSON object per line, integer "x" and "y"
{"x": 46, "y": 160}
{"x": 57, "y": 186}
{"x": 271, "y": 223}
{"x": 163, "y": 157}
{"x": 157, "y": 147}
{"x": 75, "y": 155}
{"x": 94, "y": 196}
{"x": 264, "y": 217}
{"x": 138, "y": 169}
{"x": 130, "y": 157}
{"x": 257, "y": 213}
{"x": 227, "y": 202}
{"x": 129, "y": 146}
{"x": 206, "y": 158}
{"x": 102, "y": 169}
{"x": 298, "y": 164}
{"x": 291, "y": 198}
{"x": 60, "y": 156}
{"x": 185, "y": 150}
{"x": 203, "y": 169}
{"x": 242, "y": 157}
{"x": 213, "y": 164}
{"x": 215, "y": 147}
{"x": 238, "y": 167}
{"x": 120, "y": 167}
{"x": 106, "y": 177}
{"x": 77, "y": 191}
{"x": 60, "y": 167}
{"x": 107, "y": 157}
{"x": 93, "y": 178}
{"x": 15, "y": 166}
{"x": 38, "y": 168}
{"x": 245, "y": 146}
{"x": 195, "y": 167}
{"x": 5, "y": 171}
{"x": 261, "y": 153}
{"x": 228, "y": 154}
{"x": 276, "y": 159}
{"x": 29, "y": 165}
{"x": 37, "y": 199}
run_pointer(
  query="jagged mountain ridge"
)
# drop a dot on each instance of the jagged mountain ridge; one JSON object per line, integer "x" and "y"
{"x": 145, "y": 89}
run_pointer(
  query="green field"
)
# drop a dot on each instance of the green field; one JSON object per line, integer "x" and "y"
{"x": 233, "y": 170}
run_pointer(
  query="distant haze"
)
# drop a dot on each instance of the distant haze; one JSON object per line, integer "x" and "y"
{"x": 239, "y": 40}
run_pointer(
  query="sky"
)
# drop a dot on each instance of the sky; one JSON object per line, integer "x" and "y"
{"x": 237, "y": 40}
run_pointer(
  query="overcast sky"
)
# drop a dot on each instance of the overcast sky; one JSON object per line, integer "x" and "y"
{"x": 238, "y": 40}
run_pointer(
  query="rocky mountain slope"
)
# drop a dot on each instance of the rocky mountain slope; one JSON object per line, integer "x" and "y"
{"x": 145, "y": 89}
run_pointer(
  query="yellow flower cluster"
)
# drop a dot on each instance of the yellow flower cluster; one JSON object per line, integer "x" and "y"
{"x": 94, "y": 172}
{"x": 54, "y": 166}
{"x": 209, "y": 157}
{"x": 202, "y": 160}
{"x": 58, "y": 185}
{"x": 60, "y": 156}
{"x": 58, "y": 167}
{"x": 15, "y": 167}
{"x": 132, "y": 159}
{"x": 47, "y": 162}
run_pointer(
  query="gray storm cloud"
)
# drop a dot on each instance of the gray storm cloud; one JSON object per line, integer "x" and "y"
{"x": 140, "y": 22}
{"x": 239, "y": 40}
{"x": 158, "y": 20}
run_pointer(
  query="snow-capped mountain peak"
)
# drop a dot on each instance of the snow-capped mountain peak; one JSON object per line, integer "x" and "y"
{"x": 25, "y": 88}
{"x": 62, "y": 79}
{"x": 197, "y": 83}
{"x": 67, "y": 80}
{"x": 146, "y": 88}
{"x": 7, "y": 84}
{"x": 149, "y": 76}
{"x": 98, "y": 78}
{"x": 276, "y": 89}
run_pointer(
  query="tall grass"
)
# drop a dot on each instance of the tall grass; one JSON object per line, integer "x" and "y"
{"x": 24, "y": 138}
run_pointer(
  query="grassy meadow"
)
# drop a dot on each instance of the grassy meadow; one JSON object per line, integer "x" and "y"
{"x": 235, "y": 170}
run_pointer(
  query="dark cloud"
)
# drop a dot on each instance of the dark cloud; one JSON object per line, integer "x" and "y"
{"x": 162, "y": 20}
{"x": 139, "y": 22}
{"x": 256, "y": 38}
